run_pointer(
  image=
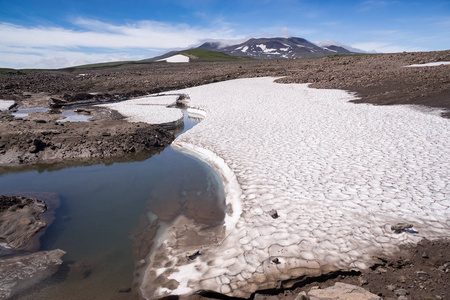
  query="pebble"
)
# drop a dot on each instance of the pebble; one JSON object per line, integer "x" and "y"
{"x": 400, "y": 292}
{"x": 274, "y": 214}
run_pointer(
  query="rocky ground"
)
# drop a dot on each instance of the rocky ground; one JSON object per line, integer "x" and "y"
{"x": 40, "y": 139}
{"x": 420, "y": 272}
{"x": 22, "y": 221}
{"x": 378, "y": 79}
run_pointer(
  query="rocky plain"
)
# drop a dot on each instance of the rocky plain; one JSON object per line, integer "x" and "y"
{"x": 40, "y": 140}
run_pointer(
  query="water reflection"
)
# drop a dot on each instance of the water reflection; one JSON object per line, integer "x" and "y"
{"x": 72, "y": 116}
{"x": 25, "y": 112}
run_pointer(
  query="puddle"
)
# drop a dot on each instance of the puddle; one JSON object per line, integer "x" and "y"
{"x": 25, "y": 112}
{"x": 102, "y": 207}
{"x": 72, "y": 116}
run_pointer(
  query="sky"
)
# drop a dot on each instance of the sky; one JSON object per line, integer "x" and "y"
{"x": 56, "y": 34}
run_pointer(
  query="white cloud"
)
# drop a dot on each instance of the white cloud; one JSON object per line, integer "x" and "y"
{"x": 144, "y": 34}
{"x": 326, "y": 43}
{"x": 21, "y": 58}
{"x": 384, "y": 47}
{"x": 94, "y": 41}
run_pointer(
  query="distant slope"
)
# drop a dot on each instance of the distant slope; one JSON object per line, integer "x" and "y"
{"x": 209, "y": 55}
{"x": 165, "y": 55}
{"x": 106, "y": 65}
{"x": 201, "y": 55}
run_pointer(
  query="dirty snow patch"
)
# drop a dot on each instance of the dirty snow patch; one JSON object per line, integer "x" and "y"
{"x": 6, "y": 104}
{"x": 179, "y": 58}
{"x": 431, "y": 64}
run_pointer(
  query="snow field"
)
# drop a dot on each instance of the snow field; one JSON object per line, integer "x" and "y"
{"x": 431, "y": 64}
{"x": 339, "y": 175}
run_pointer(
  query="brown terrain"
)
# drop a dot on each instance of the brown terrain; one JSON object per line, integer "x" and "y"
{"x": 419, "y": 272}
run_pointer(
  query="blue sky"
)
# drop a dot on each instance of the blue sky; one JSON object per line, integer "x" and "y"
{"x": 53, "y": 34}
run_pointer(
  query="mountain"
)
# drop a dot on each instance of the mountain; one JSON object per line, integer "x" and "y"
{"x": 165, "y": 55}
{"x": 292, "y": 48}
{"x": 327, "y": 43}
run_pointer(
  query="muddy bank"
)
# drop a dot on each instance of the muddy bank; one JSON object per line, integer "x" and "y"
{"x": 22, "y": 221}
{"x": 24, "y": 217}
{"x": 21, "y": 272}
{"x": 40, "y": 138}
{"x": 19, "y": 220}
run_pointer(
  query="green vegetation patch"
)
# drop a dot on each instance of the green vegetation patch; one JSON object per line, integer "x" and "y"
{"x": 106, "y": 65}
{"x": 210, "y": 55}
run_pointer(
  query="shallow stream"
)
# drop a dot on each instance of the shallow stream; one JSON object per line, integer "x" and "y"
{"x": 101, "y": 205}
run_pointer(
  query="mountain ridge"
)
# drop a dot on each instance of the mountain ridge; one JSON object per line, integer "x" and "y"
{"x": 278, "y": 47}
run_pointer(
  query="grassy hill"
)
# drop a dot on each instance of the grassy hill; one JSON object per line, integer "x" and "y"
{"x": 210, "y": 55}
{"x": 201, "y": 55}
{"x": 107, "y": 65}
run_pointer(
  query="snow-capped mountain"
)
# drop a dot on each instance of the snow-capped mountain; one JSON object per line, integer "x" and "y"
{"x": 292, "y": 47}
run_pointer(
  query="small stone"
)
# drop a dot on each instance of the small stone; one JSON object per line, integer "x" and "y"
{"x": 259, "y": 297}
{"x": 276, "y": 261}
{"x": 425, "y": 255}
{"x": 274, "y": 214}
{"x": 400, "y": 292}
{"x": 141, "y": 263}
{"x": 381, "y": 269}
{"x": 124, "y": 290}
{"x": 193, "y": 254}
{"x": 391, "y": 287}
{"x": 302, "y": 296}
{"x": 32, "y": 149}
{"x": 402, "y": 298}
{"x": 362, "y": 281}
{"x": 422, "y": 273}
{"x": 400, "y": 227}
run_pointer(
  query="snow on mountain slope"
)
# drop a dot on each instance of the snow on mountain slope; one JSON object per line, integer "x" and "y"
{"x": 328, "y": 43}
{"x": 292, "y": 47}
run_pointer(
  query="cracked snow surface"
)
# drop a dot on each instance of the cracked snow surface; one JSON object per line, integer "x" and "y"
{"x": 338, "y": 174}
